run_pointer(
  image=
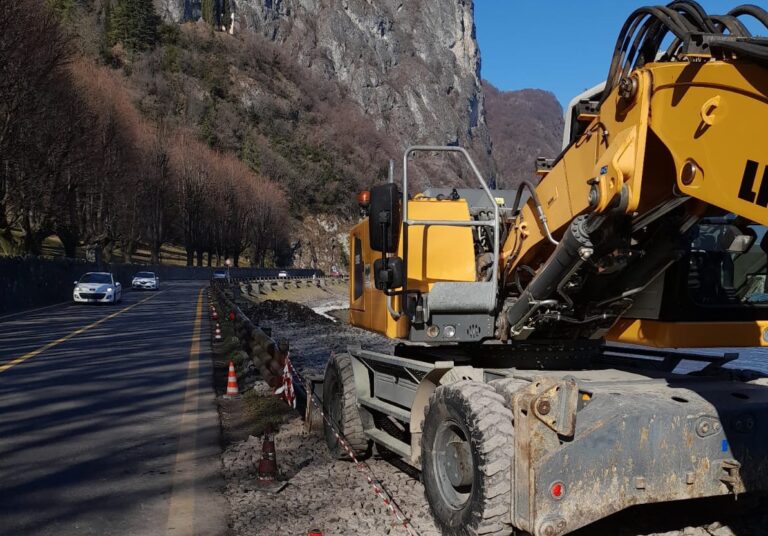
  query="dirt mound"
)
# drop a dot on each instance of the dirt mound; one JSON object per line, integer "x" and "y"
{"x": 312, "y": 337}
{"x": 284, "y": 311}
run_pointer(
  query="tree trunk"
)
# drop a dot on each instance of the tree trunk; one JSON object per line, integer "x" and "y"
{"x": 199, "y": 257}
{"x": 69, "y": 241}
{"x": 155, "y": 253}
{"x": 107, "y": 251}
{"x": 190, "y": 257}
{"x": 129, "y": 248}
{"x": 33, "y": 243}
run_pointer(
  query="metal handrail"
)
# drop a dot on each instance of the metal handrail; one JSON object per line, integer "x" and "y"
{"x": 447, "y": 223}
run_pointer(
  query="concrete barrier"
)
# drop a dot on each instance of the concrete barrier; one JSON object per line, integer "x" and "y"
{"x": 266, "y": 354}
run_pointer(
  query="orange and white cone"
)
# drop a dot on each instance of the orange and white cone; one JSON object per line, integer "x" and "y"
{"x": 232, "y": 390}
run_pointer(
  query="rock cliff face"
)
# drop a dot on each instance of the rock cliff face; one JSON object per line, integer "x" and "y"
{"x": 412, "y": 66}
{"x": 322, "y": 243}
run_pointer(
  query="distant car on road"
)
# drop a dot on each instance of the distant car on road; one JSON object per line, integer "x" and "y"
{"x": 221, "y": 273}
{"x": 282, "y": 274}
{"x": 145, "y": 281}
{"x": 97, "y": 287}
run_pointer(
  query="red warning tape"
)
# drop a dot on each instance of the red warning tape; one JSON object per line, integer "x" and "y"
{"x": 361, "y": 466}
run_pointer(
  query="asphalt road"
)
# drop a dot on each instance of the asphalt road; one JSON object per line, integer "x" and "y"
{"x": 107, "y": 419}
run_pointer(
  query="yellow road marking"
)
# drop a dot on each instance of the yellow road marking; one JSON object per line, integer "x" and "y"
{"x": 181, "y": 511}
{"x": 50, "y": 345}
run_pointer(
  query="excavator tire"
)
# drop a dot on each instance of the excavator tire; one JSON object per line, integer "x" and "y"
{"x": 340, "y": 407}
{"x": 467, "y": 454}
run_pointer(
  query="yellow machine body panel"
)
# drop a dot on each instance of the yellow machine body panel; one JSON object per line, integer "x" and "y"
{"x": 435, "y": 253}
{"x": 712, "y": 119}
{"x": 610, "y": 153}
{"x": 690, "y": 334}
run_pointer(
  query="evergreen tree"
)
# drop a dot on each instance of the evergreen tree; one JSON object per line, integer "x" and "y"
{"x": 226, "y": 13}
{"x": 209, "y": 11}
{"x": 134, "y": 24}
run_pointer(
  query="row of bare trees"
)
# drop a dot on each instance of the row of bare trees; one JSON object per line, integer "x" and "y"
{"x": 78, "y": 161}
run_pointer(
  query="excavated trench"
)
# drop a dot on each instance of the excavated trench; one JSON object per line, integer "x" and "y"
{"x": 334, "y": 497}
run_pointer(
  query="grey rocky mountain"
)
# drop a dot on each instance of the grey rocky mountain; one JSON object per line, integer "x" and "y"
{"x": 412, "y": 66}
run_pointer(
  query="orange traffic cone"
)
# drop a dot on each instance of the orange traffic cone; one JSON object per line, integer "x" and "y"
{"x": 268, "y": 462}
{"x": 232, "y": 390}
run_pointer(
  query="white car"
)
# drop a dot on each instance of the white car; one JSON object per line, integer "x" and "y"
{"x": 145, "y": 281}
{"x": 97, "y": 287}
{"x": 282, "y": 274}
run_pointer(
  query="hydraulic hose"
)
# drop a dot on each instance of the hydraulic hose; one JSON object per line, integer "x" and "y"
{"x": 570, "y": 251}
{"x": 542, "y": 217}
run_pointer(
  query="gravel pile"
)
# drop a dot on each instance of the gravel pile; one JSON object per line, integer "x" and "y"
{"x": 333, "y": 496}
{"x": 312, "y": 337}
{"x": 321, "y": 492}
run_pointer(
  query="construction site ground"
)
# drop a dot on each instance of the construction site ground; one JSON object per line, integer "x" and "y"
{"x": 333, "y": 496}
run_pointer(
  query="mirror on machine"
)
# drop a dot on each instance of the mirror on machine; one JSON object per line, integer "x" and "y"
{"x": 384, "y": 235}
{"x": 384, "y": 218}
{"x": 388, "y": 273}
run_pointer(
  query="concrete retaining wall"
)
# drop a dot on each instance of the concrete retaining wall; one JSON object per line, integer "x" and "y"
{"x": 27, "y": 282}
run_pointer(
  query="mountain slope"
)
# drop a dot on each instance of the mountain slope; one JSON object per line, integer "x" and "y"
{"x": 523, "y": 124}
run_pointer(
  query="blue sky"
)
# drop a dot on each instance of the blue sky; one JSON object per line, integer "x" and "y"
{"x": 563, "y": 46}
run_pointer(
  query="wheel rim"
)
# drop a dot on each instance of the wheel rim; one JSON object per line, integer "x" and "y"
{"x": 453, "y": 465}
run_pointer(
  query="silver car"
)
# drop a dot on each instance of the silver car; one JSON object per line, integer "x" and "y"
{"x": 97, "y": 287}
{"x": 145, "y": 281}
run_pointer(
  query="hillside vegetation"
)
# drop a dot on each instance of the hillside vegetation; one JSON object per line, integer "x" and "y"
{"x": 524, "y": 124}
{"x": 124, "y": 133}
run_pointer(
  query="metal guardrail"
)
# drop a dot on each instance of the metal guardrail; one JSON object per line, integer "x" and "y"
{"x": 267, "y": 355}
{"x": 263, "y": 285}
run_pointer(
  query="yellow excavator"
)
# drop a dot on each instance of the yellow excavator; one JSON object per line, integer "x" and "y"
{"x": 537, "y": 381}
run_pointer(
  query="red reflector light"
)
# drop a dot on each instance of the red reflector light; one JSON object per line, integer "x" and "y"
{"x": 314, "y": 533}
{"x": 557, "y": 490}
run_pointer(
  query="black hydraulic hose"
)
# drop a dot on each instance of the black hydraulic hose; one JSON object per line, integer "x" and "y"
{"x": 734, "y": 26}
{"x": 645, "y": 46}
{"x": 754, "y": 51}
{"x": 752, "y": 10}
{"x": 696, "y": 13}
{"x": 542, "y": 217}
{"x": 588, "y": 320}
{"x": 670, "y": 19}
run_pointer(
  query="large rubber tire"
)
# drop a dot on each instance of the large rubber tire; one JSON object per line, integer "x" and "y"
{"x": 340, "y": 407}
{"x": 475, "y": 412}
